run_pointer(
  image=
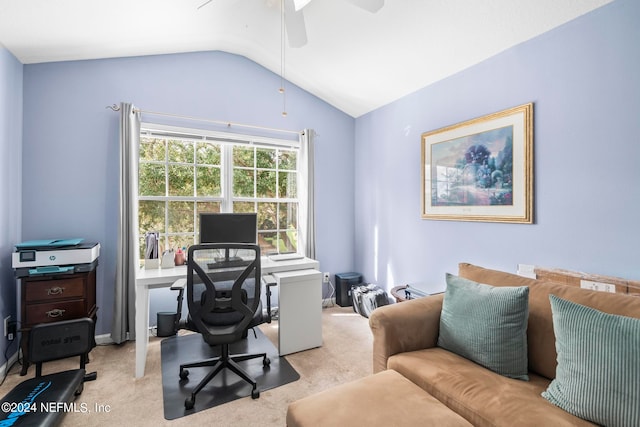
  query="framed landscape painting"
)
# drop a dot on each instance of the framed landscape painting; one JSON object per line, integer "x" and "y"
{"x": 481, "y": 169}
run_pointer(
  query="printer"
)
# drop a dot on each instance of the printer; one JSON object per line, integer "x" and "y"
{"x": 58, "y": 256}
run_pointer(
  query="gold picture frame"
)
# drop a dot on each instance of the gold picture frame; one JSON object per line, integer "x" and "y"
{"x": 481, "y": 169}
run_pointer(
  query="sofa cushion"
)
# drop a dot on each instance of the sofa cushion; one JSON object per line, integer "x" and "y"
{"x": 384, "y": 399}
{"x": 540, "y": 335}
{"x": 486, "y": 324}
{"x": 481, "y": 396}
{"x": 598, "y": 373}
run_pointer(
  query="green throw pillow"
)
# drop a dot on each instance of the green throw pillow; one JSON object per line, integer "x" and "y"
{"x": 598, "y": 372}
{"x": 486, "y": 324}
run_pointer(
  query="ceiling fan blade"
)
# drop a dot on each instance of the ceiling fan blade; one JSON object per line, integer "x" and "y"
{"x": 369, "y": 5}
{"x": 299, "y": 4}
{"x": 294, "y": 22}
{"x": 204, "y": 4}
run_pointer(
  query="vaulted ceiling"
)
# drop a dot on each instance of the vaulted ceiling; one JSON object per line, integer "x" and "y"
{"x": 354, "y": 59}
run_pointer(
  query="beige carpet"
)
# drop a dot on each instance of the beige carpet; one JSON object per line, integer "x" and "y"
{"x": 116, "y": 398}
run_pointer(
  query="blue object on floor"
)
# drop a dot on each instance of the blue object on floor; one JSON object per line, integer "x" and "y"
{"x": 43, "y": 400}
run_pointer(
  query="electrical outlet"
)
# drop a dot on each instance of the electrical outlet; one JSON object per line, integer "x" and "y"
{"x": 326, "y": 277}
{"x": 6, "y": 325}
{"x": 12, "y": 330}
{"x": 598, "y": 286}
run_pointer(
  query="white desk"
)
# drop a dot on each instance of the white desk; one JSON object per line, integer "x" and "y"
{"x": 300, "y": 314}
{"x": 164, "y": 278}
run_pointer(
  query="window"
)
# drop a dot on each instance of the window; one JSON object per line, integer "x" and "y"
{"x": 185, "y": 172}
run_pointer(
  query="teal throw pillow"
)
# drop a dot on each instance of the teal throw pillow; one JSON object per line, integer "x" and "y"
{"x": 598, "y": 372}
{"x": 486, "y": 324}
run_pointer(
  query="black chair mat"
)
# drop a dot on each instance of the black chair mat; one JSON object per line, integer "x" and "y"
{"x": 226, "y": 386}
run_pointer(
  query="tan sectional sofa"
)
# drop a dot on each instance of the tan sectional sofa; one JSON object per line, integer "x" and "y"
{"x": 405, "y": 337}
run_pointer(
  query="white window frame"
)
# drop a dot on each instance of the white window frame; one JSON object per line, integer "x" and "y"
{"x": 228, "y": 140}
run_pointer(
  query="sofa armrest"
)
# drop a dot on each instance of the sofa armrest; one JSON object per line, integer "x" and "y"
{"x": 406, "y": 326}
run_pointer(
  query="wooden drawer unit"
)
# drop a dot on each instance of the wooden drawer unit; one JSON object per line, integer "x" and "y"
{"x": 54, "y": 311}
{"x": 53, "y": 290}
{"x": 53, "y": 298}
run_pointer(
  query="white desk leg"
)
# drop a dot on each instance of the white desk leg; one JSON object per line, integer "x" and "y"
{"x": 142, "y": 328}
{"x": 300, "y": 306}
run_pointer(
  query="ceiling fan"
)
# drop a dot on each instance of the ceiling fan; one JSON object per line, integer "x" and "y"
{"x": 294, "y": 17}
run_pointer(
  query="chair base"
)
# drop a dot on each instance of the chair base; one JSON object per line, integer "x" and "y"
{"x": 225, "y": 360}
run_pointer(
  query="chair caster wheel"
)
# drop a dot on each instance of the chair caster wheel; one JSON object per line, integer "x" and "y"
{"x": 255, "y": 393}
{"x": 266, "y": 362}
{"x": 189, "y": 402}
{"x": 184, "y": 373}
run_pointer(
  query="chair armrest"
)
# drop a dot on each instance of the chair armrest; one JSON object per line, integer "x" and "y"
{"x": 407, "y": 326}
{"x": 179, "y": 285}
{"x": 269, "y": 281}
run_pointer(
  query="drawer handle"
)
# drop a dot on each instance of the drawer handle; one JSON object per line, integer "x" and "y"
{"x": 56, "y": 312}
{"x": 57, "y": 290}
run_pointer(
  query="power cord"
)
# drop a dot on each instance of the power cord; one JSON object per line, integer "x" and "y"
{"x": 327, "y": 301}
{"x": 6, "y": 360}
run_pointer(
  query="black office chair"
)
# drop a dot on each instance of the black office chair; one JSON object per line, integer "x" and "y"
{"x": 223, "y": 296}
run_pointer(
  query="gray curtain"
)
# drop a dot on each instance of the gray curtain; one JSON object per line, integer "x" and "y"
{"x": 307, "y": 237}
{"x": 123, "y": 324}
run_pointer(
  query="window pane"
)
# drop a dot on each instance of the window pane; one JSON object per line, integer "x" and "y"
{"x": 207, "y": 207}
{"x": 180, "y": 180}
{"x": 243, "y": 156}
{"x": 288, "y": 241}
{"x": 141, "y": 246}
{"x": 208, "y": 154}
{"x": 243, "y": 182}
{"x": 150, "y": 216}
{"x": 288, "y": 160}
{"x": 208, "y": 182}
{"x": 266, "y": 184}
{"x": 268, "y": 242}
{"x": 287, "y": 185}
{"x": 266, "y": 158}
{"x": 152, "y": 149}
{"x": 180, "y": 241}
{"x": 244, "y": 207}
{"x": 151, "y": 180}
{"x": 267, "y": 219}
{"x": 180, "y": 217}
{"x": 180, "y": 151}
{"x": 288, "y": 216}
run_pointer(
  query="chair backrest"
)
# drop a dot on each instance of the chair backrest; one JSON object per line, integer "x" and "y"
{"x": 223, "y": 289}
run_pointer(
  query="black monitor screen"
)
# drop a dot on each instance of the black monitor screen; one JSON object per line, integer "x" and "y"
{"x": 228, "y": 227}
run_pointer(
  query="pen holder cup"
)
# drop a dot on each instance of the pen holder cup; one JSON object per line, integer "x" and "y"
{"x": 167, "y": 260}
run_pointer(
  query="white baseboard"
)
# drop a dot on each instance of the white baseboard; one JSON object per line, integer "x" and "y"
{"x": 104, "y": 339}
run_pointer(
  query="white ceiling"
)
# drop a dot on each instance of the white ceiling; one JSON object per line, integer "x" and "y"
{"x": 354, "y": 59}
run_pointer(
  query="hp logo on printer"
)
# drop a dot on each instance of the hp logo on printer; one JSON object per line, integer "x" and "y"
{"x": 52, "y": 258}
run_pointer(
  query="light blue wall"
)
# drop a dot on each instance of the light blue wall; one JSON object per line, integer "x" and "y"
{"x": 10, "y": 182}
{"x": 584, "y": 80}
{"x": 70, "y": 177}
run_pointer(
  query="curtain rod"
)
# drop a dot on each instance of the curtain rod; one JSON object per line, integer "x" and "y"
{"x": 115, "y": 107}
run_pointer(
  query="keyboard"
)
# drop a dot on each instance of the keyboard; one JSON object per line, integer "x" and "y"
{"x": 228, "y": 264}
{"x": 285, "y": 257}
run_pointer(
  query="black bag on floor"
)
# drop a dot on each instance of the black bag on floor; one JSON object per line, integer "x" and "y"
{"x": 367, "y": 298}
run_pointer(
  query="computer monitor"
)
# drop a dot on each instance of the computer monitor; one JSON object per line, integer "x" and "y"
{"x": 228, "y": 228}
